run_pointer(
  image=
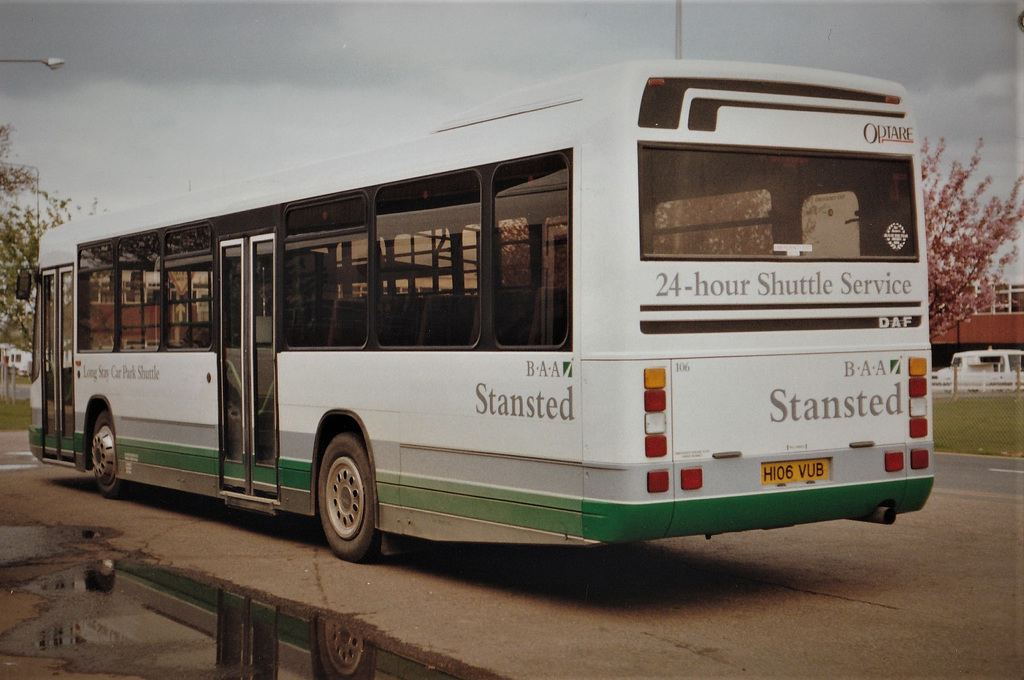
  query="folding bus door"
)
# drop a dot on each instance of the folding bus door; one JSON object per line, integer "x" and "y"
{"x": 248, "y": 368}
{"x": 57, "y": 371}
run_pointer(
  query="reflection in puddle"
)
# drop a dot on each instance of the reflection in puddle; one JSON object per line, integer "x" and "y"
{"x": 136, "y": 619}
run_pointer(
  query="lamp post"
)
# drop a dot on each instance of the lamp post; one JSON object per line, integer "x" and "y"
{"x": 51, "y": 63}
{"x": 679, "y": 29}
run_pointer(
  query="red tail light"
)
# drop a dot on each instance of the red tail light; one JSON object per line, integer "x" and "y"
{"x": 919, "y": 459}
{"x": 893, "y": 461}
{"x": 692, "y": 478}
{"x": 656, "y": 446}
{"x": 657, "y": 481}
{"x": 654, "y": 400}
{"x": 918, "y": 387}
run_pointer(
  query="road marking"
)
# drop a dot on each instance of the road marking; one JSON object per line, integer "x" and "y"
{"x": 1016, "y": 472}
{"x": 13, "y": 467}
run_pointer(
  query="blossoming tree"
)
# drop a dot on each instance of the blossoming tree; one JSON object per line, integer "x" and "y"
{"x": 966, "y": 237}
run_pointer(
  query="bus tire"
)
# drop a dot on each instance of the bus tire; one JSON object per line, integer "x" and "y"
{"x": 347, "y": 500}
{"x": 103, "y": 451}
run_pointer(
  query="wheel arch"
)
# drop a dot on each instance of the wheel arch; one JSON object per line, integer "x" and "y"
{"x": 97, "y": 405}
{"x": 331, "y": 425}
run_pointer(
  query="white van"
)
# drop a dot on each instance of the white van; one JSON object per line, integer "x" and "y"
{"x": 989, "y": 370}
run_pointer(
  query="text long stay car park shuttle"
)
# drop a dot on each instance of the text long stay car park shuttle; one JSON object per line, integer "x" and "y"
{"x": 657, "y": 299}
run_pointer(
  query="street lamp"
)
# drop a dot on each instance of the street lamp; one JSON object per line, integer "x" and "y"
{"x": 51, "y": 63}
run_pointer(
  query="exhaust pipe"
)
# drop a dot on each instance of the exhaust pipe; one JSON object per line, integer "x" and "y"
{"x": 883, "y": 514}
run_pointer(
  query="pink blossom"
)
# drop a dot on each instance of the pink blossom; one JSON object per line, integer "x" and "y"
{"x": 964, "y": 237}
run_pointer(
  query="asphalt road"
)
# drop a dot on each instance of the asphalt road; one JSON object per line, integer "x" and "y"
{"x": 938, "y": 594}
{"x": 982, "y": 474}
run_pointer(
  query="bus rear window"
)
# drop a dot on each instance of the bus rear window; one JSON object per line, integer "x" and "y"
{"x": 715, "y": 204}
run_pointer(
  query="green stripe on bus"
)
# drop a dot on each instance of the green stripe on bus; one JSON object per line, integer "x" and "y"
{"x": 264, "y": 474}
{"x": 234, "y": 470}
{"x": 295, "y": 474}
{"x": 67, "y": 444}
{"x": 614, "y": 522}
{"x": 572, "y": 504}
{"x": 620, "y": 522}
{"x": 547, "y": 518}
{"x": 179, "y": 457}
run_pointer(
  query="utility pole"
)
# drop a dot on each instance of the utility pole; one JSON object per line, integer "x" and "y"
{"x": 679, "y": 29}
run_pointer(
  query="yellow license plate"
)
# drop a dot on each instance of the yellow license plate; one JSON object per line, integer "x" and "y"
{"x": 787, "y": 472}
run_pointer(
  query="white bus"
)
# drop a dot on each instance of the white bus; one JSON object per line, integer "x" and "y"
{"x": 657, "y": 299}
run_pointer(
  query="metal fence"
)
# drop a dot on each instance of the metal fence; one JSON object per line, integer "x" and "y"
{"x": 8, "y": 384}
{"x": 955, "y": 383}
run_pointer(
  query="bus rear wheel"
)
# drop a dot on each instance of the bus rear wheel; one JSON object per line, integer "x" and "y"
{"x": 347, "y": 500}
{"x": 104, "y": 457}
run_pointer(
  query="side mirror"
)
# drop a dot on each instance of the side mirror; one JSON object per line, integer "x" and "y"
{"x": 23, "y": 291}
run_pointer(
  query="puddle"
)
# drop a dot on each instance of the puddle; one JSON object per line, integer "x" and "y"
{"x": 23, "y": 544}
{"x": 130, "y": 618}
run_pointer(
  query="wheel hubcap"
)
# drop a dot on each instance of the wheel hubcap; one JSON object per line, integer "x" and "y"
{"x": 345, "y": 498}
{"x": 104, "y": 456}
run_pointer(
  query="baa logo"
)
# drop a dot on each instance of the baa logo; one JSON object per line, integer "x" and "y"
{"x": 548, "y": 369}
{"x": 867, "y": 369}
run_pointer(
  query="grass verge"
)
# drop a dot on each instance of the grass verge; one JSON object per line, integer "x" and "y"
{"x": 987, "y": 425}
{"x": 15, "y": 416}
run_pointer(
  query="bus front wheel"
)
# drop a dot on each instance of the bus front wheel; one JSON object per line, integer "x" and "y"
{"x": 104, "y": 457}
{"x": 347, "y": 500}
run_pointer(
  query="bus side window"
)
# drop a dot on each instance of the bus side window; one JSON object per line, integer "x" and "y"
{"x": 188, "y": 276}
{"x": 531, "y": 242}
{"x": 96, "y": 297}
{"x": 138, "y": 260}
{"x": 326, "y": 292}
{"x": 428, "y": 236}
{"x": 325, "y": 274}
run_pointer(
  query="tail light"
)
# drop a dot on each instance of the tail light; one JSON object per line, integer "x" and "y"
{"x": 917, "y": 367}
{"x": 655, "y": 417}
{"x": 656, "y": 427}
{"x": 919, "y": 459}
{"x": 657, "y": 481}
{"x": 692, "y": 478}
{"x": 893, "y": 461}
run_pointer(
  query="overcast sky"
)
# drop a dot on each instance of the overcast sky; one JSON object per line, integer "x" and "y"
{"x": 158, "y": 99}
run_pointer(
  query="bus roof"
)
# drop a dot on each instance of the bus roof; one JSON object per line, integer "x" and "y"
{"x": 577, "y": 101}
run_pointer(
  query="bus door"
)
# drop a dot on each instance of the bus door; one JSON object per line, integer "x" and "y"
{"x": 248, "y": 368}
{"x": 57, "y": 321}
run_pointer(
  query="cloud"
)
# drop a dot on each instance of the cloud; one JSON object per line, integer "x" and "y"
{"x": 990, "y": 115}
{"x": 158, "y": 96}
{"x": 911, "y": 42}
